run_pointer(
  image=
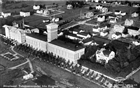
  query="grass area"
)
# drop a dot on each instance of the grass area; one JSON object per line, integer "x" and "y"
{"x": 58, "y": 73}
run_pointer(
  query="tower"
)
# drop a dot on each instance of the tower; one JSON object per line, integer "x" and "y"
{"x": 52, "y": 30}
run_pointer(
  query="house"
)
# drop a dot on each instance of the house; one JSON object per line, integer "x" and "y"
{"x": 104, "y": 10}
{"x": 133, "y": 31}
{"x": 36, "y": 7}
{"x": 104, "y": 55}
{"x": 39, "y": 11}
{"x": 74, "y": 37}
{"x": 118, "y": 28}
{"x": 24, "y": 14}
{"x": 87, "y": 41}
{"x": 101, "y": 18}
{"x": 136, "y": 43}
{"x": 89, "y": 14}
{"x": 135, "y": 14}
{"x": 116, "y": 35}
{"x": 96, "y": 29}
{"x": 28, "y": 76}
{"x": 83, "y": 35}
{"x": 103, "y": 34}
{"x": 128, "y": 22}
{"x": 99, "y": 7}
{"x": 113, "y": 20}
{"x": 69, "y": 6}
{"x": 117, "y": 12}
{"x": 46, "y": 12}
{"x": 5, "y": 14}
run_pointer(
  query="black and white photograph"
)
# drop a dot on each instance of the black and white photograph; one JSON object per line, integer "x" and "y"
{"x": 69, "y": 43}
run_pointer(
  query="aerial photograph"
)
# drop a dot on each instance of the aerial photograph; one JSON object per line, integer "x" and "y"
{"x": 69, "y": 43}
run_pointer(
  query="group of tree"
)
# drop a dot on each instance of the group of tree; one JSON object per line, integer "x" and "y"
{"x": 76, "y": 4}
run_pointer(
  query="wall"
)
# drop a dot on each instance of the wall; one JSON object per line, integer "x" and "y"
{"x": 36, "y": 43}
{"x": 67, "y": 54}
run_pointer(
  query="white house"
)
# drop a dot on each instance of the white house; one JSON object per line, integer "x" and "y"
{"x": 69, "y": 6}
{"x": 134, "y": 14}
{"x": 137, "y": 43}
{"x": 24, "y": 14}
{"x": 133, "y": 31}
{"x": 89, "y": 14}
{"x": 40, "y": 11}
{"x": 101, "y": 18}
{"x": 46, "y": 12}
{"x": 129, "y": 22}
{"x": 5, "y": 14}
{"x": 116, "y": 35}
{"x": 104, "y": 55}
{"x": 116, "y": 27}
{"x": 36, "y": 7}
{"x": 117, "y": 12}
{"x": 28, "y": 76}
{"x": 83, "y": 35}
{"x": 99, "y": 7}
{"x": 104, "y": 10}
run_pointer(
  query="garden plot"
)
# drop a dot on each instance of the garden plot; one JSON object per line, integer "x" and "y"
{"x": 10, "y": 56}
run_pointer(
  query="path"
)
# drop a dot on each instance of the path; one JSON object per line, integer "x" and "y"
{"x": 28, "y": 61}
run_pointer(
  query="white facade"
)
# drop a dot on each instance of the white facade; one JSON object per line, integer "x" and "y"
{"x": 36, "y": 7}
{"x": 120, "y": 27}
{"x": 5, "y": 14}
{"x": 101, "y": 56}
{"x": 128, "y": 22}
{"x": 52, "y": 30}
{"x": 24, "y": 14}
{"x": 36, "y": 43}
{"x": 101, "y": 19}
{"x": 14, "y": 33}
{"x": 67, "y": 54}
{"x": 133, "y": 32}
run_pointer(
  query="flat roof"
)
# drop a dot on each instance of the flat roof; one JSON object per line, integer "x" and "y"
{"x": 67, "y": 45}
{"x": 42, "y": 37}
{"x": 36, "y": 21}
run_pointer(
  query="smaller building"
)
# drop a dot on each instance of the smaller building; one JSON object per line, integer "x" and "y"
{"x": 24, "y": 14}
{"x": 101, "y": 18}
{"x": 5, "y": 14}
{"x": 129, "y": 22}
{"x": 104, "y": 55}
{"x": 36, "y": 7}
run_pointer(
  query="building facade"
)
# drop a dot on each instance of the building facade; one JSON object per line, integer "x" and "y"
{"x": 65, "y": 53}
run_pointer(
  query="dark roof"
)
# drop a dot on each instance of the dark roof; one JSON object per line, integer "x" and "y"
{"x": 106, "y": 52}
{"x": 42, "y": 37}
{"x": 67, "y": 45}
{"x": 133, "y": 28}
{"x": 83, "y": 33}
{"x": 87, "y": 40}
